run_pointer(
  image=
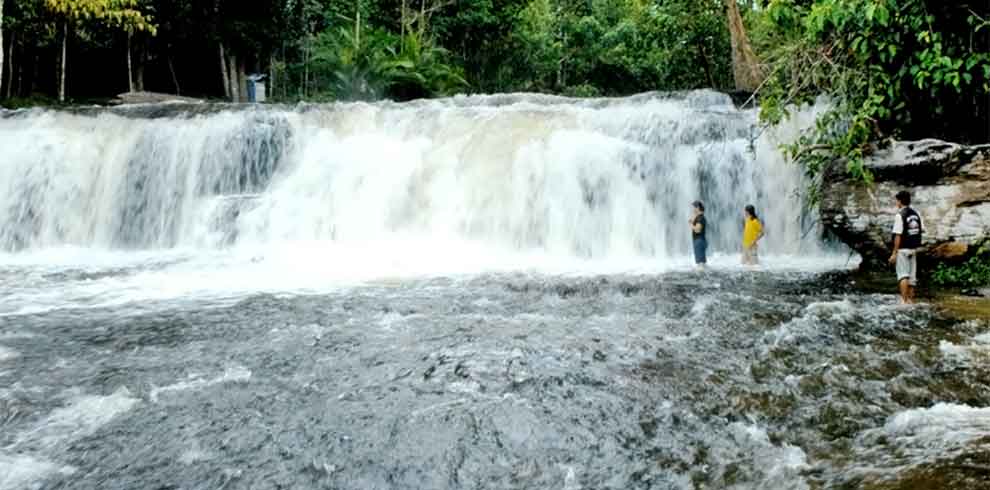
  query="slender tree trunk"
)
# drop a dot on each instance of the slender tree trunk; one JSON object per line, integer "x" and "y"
{"x": 706, "y": 65}
{"x": 10, "y": 64}
{"x": 745, "y": 66}
{"x": 242, "y": 92}
{"x": 403, "y": 22}
{"x": 33, "y": 75}
{"x": 271, "y": 75}
{"x": 171, "y": 70}
{"x": 61, "y": 71}
{"x": 139, "y": 69}
{"x": 1, "y": 46}
{"x": 305, "y": 85}
{"x": 130, "y": 70}
{"x": 223, "y": 72}
{"x": 235, "y": 86}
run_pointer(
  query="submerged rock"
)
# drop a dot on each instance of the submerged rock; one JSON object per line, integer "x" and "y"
{"x": 950, "y": 188}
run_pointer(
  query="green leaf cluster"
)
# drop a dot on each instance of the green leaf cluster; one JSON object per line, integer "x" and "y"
{"x": 344, "y": 63}
{"x": 125, "y": 14}
{"x": 888, "y": 68}
{"x": 975, "y": 272}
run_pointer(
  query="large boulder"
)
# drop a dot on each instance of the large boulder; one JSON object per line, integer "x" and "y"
{"x": 950, "y": 188}
{"x": 152, "y": 98}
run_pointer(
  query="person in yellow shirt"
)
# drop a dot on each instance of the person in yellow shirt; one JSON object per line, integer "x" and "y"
{"x": 752, "y": 233}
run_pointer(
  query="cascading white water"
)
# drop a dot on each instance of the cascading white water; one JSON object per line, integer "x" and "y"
{"x": 596, "y": 179}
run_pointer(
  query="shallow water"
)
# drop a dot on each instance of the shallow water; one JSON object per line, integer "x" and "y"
{"x": 679, "y": 380}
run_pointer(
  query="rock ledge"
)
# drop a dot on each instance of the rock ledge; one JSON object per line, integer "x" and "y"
{"x": 950, "y": 187}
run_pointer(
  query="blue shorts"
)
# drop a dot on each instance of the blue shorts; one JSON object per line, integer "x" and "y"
{"x": 700, "y": 249}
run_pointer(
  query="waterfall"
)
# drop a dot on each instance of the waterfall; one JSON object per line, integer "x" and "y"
{"x": 581, "y": 178}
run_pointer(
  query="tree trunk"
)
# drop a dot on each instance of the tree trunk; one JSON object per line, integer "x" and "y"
{"x": 1, "y": 46}
{"x": 706, "y": 66}
{"x": 32, "y": 75}
{"x": 305, "y": 84}
{"x": 271, "y": 74}
{"x": 242, "y": 91}
{"x": 10, "y": 64}
{"x": 61, "y": 71}
{"x": 745, "y": 66}
{"x": 139, "y": 70}
{"x": 235, "y": 86}
{"x": 130, "y": 70}
{"x": 171, "y": 70}
{"x": 223, "y": 71}
{"x": 402, "y": 21}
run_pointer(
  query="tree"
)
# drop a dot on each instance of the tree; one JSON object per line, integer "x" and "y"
{"x": 890, "y": 69}
{"x": 1, "y": 46}
{"x": 113, "y": 13}
{"x": 745, "y": 66}
{"x": 130, "y": 28}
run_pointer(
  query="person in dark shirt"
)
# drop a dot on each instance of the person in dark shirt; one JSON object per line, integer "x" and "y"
{"x": 699, "y": 228}
{"x": 908, "y": 232}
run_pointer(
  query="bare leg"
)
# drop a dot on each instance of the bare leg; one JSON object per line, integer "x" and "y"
{"x": 905, "y": 288}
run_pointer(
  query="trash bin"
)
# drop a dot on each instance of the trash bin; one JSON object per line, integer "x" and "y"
{"x": 256, "y": 88}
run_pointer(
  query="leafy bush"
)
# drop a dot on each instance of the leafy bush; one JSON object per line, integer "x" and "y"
{"x": 366, "y": 64}
{"x": 25, "y": 102}
{"x": 975, "y": 272}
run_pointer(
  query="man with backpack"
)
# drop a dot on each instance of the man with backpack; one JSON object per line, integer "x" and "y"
{"x": 908, "y": 230}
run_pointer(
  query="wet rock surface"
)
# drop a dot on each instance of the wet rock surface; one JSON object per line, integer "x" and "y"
{"x": 950, "y": 186}
{"x": 677, "y": 381}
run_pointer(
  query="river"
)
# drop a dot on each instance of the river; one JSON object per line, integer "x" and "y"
{"x": 475, "y": 292}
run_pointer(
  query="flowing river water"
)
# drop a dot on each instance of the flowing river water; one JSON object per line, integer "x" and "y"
{"x": 476, "y": 292}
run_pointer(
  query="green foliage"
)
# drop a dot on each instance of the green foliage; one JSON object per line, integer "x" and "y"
{"x": 406, "y": 49}
{"x": 618, "y": 46}
{"x": 28, "y": 102}
{"x": 890, "y": 69}
{"x": 975, "y": 272}
{"x": 125, "y": 14}
{"x": 366, "y": 64}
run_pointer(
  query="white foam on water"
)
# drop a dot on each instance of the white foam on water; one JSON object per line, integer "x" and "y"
{"x": 922, "y": 435}
{"x": 194, "y": 454}
{"x": 7, "y": 354}
{"x": 195, "y": 382}
{"x": 30, "y": 458}
{"x": 842, "y": 308}
{"x": 21, "y": 472}
{"x": 391, "y": 319}
{"x": 780, "y": 466}
{"x": 942, "y": 427}
{"x": 965, "y": 353}
{"x": 807, "y": 323}
{"x": 977, "y": 351}
{"x": 309, "y": 268}
{"x": 701, "y": 306}
{"x": 84, "y": 416}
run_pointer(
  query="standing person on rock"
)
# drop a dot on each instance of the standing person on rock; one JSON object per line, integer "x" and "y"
{"x": 908, "y": 230}
{"x": 699, "y": 229}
